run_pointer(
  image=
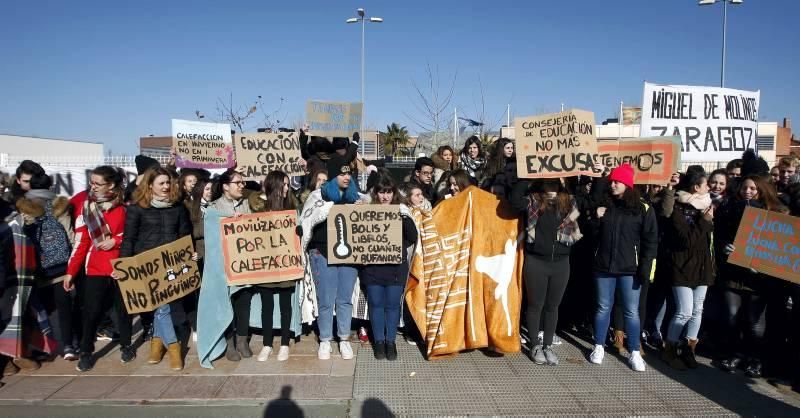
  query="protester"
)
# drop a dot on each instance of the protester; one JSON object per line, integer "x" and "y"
{"x": 422, "y": 176}
{"x": 49, "y": 227}
{"x": 551, "y": 217}
{"x": 318, "y": 178}
{"x": 187, "y": 181}
{"x": 688, "y": 239}
{"x": 99, "y": 229}
{"x": 775, "y": 174}
{"x": 734, "y": 168}
{"x": 22, "y": 182}
{"x": 414, "y": 196}
{"x": 276, "y": 197}
{"x": 5, "y": 184}
{"x": 229, "y": 200}
{"x": 472, "y": 159}
{"x": 157, "y": 218}
{"x": 334, "y": 282}
{"x": 143, "y": 163}
{"x": 626, "y": 237}
{"x": 718, "y": 187}
{"x": 385, "y": 283}
{"x": 745, "y": 289}
{"x": 787, "y": 174}
{"x": 497, "y": 177}
{"x": 458, "y": 180}
{"x": 443, "y": 162}
{"x": 199, "y": 202}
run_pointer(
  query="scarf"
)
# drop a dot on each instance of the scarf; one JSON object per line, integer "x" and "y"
{"x": 568, "y": 232}
{"x": 472, "y": 166}
{"x": 332, "y": 193}
{"x": 696, "y": 200}
{"x": 160, "y": 204}
{"x": 93, "y": 209}
{"x": 203, "y": 206}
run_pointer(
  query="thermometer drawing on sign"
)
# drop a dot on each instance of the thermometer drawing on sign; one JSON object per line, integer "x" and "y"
{"x": 341, "y": 249}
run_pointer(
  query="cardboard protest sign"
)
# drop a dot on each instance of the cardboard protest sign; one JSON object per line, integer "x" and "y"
{"x": 260, "y": 153}
{"x": 158, "y": 276}
{"x": 261, "y": 248}
{"x": 555, "y": 145}
{"x": 202, "y": 144}
{"x": 653, "y": 159}
{"x": 365, "y": 234}
{"x": 332, "y": 119}
{"x": 715, "y": 124}
{"x": 768, "y": 242}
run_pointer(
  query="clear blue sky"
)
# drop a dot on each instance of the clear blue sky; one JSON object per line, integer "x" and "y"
{"x": 114, "y": 71}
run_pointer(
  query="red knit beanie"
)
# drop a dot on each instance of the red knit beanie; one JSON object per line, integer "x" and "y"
{"x": 622, "y": 174}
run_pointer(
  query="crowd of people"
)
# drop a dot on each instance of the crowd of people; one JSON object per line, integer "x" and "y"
{"x": 622, "y": 263}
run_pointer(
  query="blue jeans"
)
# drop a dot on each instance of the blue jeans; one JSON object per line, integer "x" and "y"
{"x": 384, "y": 303}
{"x": 334, "y": 289}
{"x": 606, "y": 285}
{"x": 162, "y": 325}
{"x": 688, "y": 312}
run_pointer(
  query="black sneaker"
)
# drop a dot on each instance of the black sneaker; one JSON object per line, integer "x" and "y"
{"x": 391, "y": 351}
{"x": 731, "y": 364}
{"x": 127, "y": 353}
{"x": 147, "y": 334}
{"x": 753, "y": 369}
{"x": 85, "y": 363}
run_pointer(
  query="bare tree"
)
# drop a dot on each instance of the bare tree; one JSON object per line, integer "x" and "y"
{"x": 245, "y": 117}
{"x": 481, "y": 115}
{"x": 432, "y": 103}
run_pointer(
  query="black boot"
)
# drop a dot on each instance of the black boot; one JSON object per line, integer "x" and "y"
{"x": 243, "y": 346}
{"x": 230, "y": 350}
{"x": 379, "y": 349}
{"x": 391, "y": 351}
{"x": 753, "y": 369}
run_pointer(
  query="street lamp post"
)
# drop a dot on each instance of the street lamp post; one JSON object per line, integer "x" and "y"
{"x": 724, "y": 31}
{"x": 363, "y": 21}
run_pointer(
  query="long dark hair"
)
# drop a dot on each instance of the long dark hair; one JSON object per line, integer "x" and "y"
{"x": 690, "y": 180}
{"x": 562, "y": 203}
{"x": 273, "y": 189}
{"x": 497, "y": 161}
{"x": 631, "y": 200}
{"x": 225, "y": 178}
{"x": 197, "y": 199}
{"x": 112, "y": 175}
{"x": 385, "y": 183}
{"x": 767, "y": 194}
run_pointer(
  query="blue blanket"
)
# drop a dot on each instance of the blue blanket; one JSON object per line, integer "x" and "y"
{"x": 214, "y": 312}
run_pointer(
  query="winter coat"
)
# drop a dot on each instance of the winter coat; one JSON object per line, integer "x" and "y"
{"x": 392, "y": 274}
{"x": 34, "y": 209}
{"x": 96, "y": 262}
{"x": 148, "y": 228}
{"x": 726, "y": 225}
{"x": 258, "y": 204}
{"x": 543, "y": 242}
{"x": 6, "y": 255}
{"x": 626, "y": 243}
{"x": 688, "y": 240}
{"x": 440, "y": 167}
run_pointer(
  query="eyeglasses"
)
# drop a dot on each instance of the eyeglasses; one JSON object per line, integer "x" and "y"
{"x": 99, "y": 184}
{"x": 238, "y": 183}
{"x": 426, "y": 173}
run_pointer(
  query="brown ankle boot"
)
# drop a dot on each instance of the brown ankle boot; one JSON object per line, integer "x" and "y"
{"x": 175, "y": 357}
{"x": 156, "y": 350}
{"x": 670, "y": 356}
{"x": 687, "y": 355}
{"x": 619, "y": 340}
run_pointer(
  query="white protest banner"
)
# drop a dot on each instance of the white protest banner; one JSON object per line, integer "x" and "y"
{"x": 715, "y": 124}
{"x": 260, "y": 153}
{"x": 202, "y": 144}
{"x": 555, "y": 145}
{"x": 332, "y": 119}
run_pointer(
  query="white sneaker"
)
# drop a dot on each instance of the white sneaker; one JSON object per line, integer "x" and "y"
{"x": 194, "y": 336}
{"x": 540, "y": 337}
{"x": 283, "y": 353}
{"x": 597, "y": 355}
{"x": 636, "y": 361}
{"x": 324, "y": 352}
{"x": 264, "y": 354}
{"x": 345, "y": 350}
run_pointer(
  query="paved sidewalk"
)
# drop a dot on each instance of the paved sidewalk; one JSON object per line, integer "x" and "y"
{"x": 302, "y": 377}
{"x": 474, "y": 383}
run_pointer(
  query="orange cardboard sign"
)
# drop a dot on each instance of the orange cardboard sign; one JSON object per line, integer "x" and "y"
{"x": 653, "y": 159}
{"x": 261, "y": 248}
{"x": 768, "y": 242}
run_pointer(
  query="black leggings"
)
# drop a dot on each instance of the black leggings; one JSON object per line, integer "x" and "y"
{"x": 268, "y": 306}
{"x": 746, "y": 321}
{"x": 69, "y": 315}
{"x": 545, "y": 282}
{"x": 98, "y": 293}
{"x": 241, "y": 311}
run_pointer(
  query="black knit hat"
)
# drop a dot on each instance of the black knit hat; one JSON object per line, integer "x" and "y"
{"x": 143, "y": 163}
{"x": 340, "y": 143}
{"x": 336, "y": 166}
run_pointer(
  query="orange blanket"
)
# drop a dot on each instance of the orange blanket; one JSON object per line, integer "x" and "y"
{"x": 465, "y": 288}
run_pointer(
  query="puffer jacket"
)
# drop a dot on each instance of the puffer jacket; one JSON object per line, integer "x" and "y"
{"x": 148, "y": 228}
{"x": 626, "y": 243}
{"x": 726, "y": 225}
{"x": 688, "y": 240}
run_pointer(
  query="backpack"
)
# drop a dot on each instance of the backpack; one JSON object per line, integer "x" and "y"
{"x": 51, "y": 240}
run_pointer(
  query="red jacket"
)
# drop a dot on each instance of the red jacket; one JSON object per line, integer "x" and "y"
{"x": 96, "y": 262}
